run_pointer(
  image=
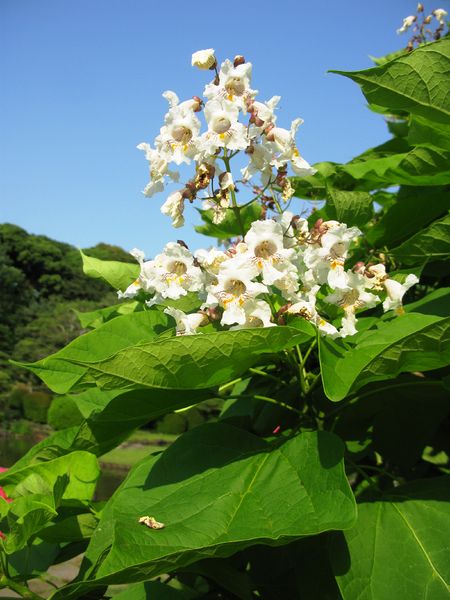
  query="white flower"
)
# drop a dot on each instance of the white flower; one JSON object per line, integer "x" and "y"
{"x": 174, "y": 274}
{"x": 178, "y": 138}
{"x": 141, "y": 283}
{"x": 211, "y": 261}
{"x": 265, "y": 251}
{"x": 353, "y": 297}
{"x": 258, "y": 314}
{"x": 233, "y": 86}
{"x": 407, "y": 22}
{"x": 174, "y": 208}
{"x": 284, "y": 142}
{"x": 260, "y": 162}
{"x": 395, "y": 292}
{"x": 186, "y": 324}
{"x": 262, "y": 114}
{"x": 440, "y": 13}
{"x": 295, "y": 229}
{"x": 234, "y": 287}
{"x": 224, "y": 130}
{"x": 204, "y": 59}
{"x": 375, "y": 276}
{"x": 159, "y": 169}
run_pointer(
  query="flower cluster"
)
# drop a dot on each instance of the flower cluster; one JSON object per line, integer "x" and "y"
{"x": 235, "y": 122}
{"x": 420, "y": 23}
{"x": 282, "y": 269}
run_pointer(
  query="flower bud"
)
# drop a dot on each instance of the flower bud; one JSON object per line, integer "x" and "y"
{"x": 204, "y": 59}
{"x": 197, "y": 107}
{"x": 420, "y": 7}
{"x": 183, "y": 244}
{"x": 238, "y": 60}
{"x": 427, "y": 20}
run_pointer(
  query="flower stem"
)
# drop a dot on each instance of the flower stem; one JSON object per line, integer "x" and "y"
{"x": 235, "y": 207}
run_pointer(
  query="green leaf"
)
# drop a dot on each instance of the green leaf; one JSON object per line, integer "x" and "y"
{"x": 432, "y": 243}
{"x": 399, "y": 546}
{"x": 81, "y": 468}
{"x": 417, "y": 82}
{"x": 413, "y": 405}
{"x": 229, "y": 227}
{"x": 435, "y": 303}
{"x": 62, "y": 370}
{"x": 395, "y": 163}
{"x": 154, "y": 590}
{"x": 412, "y": 342}
{"x": 381, "y": 60}
{"x": 70, "y": 529}
{"x": 182, "y": 362}
{"x": 352, "y": 208}
{"x": 95, "y": 318}
{"x": 423, "y": 132}
{"x": 314, "y": 187}
{"x": 218, "y": 490}
{"x": 119, "y": 275}
{"x": 416, "y": 207}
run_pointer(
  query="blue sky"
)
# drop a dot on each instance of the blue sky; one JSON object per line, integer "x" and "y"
{"x": 81, "y": 87}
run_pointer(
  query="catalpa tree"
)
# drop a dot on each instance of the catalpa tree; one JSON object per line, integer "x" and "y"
{"x": 323, "y": 336}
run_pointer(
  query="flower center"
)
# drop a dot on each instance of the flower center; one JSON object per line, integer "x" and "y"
{"x": 236, "y": 86}
{"x": 221, "y": 124}
{"x": 182, "y": 134}
{"x": 349, "y": 299}
{"x": 177, "y": 267}
{"x": 265, "y": 249}
{"x": 235, "y": 287}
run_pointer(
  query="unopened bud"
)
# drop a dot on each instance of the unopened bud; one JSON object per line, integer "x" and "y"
{"x": 204, "y": 59}
{"x": 420, "y": 7}
{"x": 198, "y": 104}
{"x": 427, "y": 20}
{"x": 238, "y": 60}
{"x": 216, "y": 80}
{"x": 250, "y": 149}
{"x": 213, "y": 313}
{"x": 183, "y": 244}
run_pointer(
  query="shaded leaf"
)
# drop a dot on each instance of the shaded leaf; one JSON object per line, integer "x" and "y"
{"x": 399, "y": 546}
{"x": 432, "y": 243}
{"x": 229, "y": 227}
{"x": 352, "y": 208}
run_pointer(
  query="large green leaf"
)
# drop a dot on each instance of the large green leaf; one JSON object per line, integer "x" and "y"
{"x": 395, "y": 163}
{"x": 218, "y": 489}
{"x": 80, "y": 467}
{"x": 27, "y": 515}
{"x": 119, "y": 275}
{"x": 95, "y": 318}
{"x": 415, "y": 208}
{"x": 111, "y": 416}
{"x": 399, "y": 418}
{"x": 432, "y": 243}
{"x": 182, "y": 362}
{"x": 62, "y": 370}
{"x": 399, "y": 546}
{"x": 417, "y": 82}
{"x": 352, "y": 208}
{"x": 229, "y": 227}
{"x": 423, "y": 132}
{"x": 412, "y": 342}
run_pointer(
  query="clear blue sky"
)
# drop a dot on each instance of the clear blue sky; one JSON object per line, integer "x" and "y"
{"x": 81, "y": 84}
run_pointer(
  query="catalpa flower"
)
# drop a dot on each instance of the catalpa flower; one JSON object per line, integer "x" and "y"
{"x": 233, "y": 85}
{"x": 233, "y": 289}
{"x": 224, "y": 129}
{"x": 257, "y": 313}
{"x": 159, "y": 170}
{"x": 186, "y": 324}
{"x": 407, "y": 23}
{"x": 395, "y": 292}
{"x": 178, "y": 138}
{"x": 174, "y": 274}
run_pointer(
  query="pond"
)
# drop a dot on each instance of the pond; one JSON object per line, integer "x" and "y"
{"x": 14, "y": 446}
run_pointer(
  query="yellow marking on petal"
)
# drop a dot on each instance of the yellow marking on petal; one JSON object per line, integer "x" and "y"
{"x": 230, "y": 97}
{"x": 222, "y": 136}
{"x": 136, "y": 282}
{"x": 399, "y": 311}
{"x": 296, "y": 152}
